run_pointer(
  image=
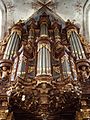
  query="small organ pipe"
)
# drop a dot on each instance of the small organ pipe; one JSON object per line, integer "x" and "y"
{"x": 81, "y": 48}
{"x": 77, "y": 45}
{"x": 21, "y": 71}
{"x": 75, "y": 48}
{"x": 44, "y": 30}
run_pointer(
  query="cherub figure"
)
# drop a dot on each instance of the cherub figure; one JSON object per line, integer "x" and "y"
{"x": 84, "y": 74}
{"x": 5, "y": 73}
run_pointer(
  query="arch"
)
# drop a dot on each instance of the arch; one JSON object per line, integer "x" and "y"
{"x": 0, "y": 23}
{"x": 3, "y": 19}
{"x": 86, "y": 18}
{"x": 89, "y": 22}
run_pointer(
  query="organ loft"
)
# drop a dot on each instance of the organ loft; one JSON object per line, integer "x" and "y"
{"x": 44, "y": 70}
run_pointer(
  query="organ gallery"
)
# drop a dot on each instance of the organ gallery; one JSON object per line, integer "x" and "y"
{"x": 44, "y": 70}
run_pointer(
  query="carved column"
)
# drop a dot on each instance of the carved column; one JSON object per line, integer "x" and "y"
{"x": 32, "y": 27}
{"x": 57, "y": 35}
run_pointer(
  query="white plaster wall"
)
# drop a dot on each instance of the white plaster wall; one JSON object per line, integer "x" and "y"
{"x": 67, "y": 9}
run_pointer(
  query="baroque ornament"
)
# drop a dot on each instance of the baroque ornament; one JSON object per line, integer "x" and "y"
{"x": 43, "y": 66}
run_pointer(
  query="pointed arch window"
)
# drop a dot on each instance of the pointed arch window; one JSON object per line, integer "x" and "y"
{"x": 86, "y": 20}
{"x": 3, "y": 19}
{"x": 89, "y": 23}
{"x": 0, "y": 23}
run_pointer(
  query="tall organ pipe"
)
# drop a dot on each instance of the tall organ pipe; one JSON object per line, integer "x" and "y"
{"x": 43, "y": 59}
{"x": 76, "y": 45}
{"x": 13, "y": 43}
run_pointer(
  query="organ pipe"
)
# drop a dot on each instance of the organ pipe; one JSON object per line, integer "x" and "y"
{"x": 66, "y": 66}
{"x": 73, "y": 69}
{"x": 14, "y": 69}
{"x": 76, "y": 45}
{"x": 44, "y": 30}
{"x": 43, "y": 59}
{"x": 21, "y": 70}
{"x": 56, "y": 33}
{"x": 13, "y": 44}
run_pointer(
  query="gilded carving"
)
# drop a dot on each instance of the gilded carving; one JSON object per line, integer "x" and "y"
{"x": 62, "y": 65}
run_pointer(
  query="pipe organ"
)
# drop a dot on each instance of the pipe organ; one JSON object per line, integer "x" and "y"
{"x": 43, "y": 69}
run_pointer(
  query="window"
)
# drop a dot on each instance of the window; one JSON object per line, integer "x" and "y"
{"x": 3, "y": 19}
{"x": 86, "y": 20}
{"x": 89, "y": 23}
{"x": 0, "y": 23}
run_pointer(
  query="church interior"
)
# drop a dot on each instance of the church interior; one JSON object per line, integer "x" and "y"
{"x": 44, "y": 59}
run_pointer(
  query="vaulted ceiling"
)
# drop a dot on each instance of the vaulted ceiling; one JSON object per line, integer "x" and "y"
{"x": 23, "y": 9}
